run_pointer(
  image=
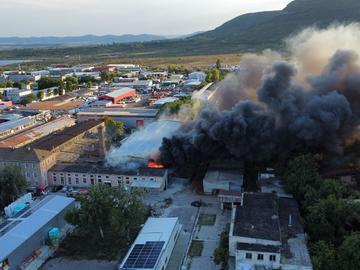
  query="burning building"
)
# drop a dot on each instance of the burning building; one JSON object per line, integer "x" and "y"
{"x": 142, "y": 147}
{"x": 273, "y": 107}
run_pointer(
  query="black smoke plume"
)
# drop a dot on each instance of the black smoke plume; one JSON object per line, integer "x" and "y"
{"x": 285, "y": 114}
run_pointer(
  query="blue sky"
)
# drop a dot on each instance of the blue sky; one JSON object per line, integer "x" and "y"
{"x": 78, "y": 17}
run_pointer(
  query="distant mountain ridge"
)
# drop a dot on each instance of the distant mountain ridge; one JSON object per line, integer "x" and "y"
{"x": 248, "y": 32}
{"x": 79, "y": 40}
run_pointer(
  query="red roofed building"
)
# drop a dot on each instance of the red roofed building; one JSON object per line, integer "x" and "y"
{"x": 119, "y": 94}
{"x": 104, "y": 68}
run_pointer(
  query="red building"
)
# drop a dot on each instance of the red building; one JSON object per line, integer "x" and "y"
{"x": 119, "y": 94}
{"x": 104, "y": 68}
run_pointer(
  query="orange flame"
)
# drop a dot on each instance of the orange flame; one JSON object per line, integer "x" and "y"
{"x": 155, "y": 165}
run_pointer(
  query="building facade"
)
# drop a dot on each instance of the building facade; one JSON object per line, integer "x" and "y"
{"x": 84, "y": 175}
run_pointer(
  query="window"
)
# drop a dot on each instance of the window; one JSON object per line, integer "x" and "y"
{"x": 107, "y": 176}
{"x": 151, "y": 179}
{"x": 119, "y": 182}
{"x": 260, "y": 257}
{"x": 84, "y": 180}
{"x": 77, "y": 180}
{"x": 69, "y": 181}
{"x": 127, "y": 178}
{"x": 272, "y": 258}
{"x": 99, "y": 181}
{"x": 127, "y": 182}
{"x": 135, "y": 178}
{"x": 248, "y": 256}
{"x": 92, "y": 181}
{"x": 54, "y": 178}
{"x": 119, "y": 177}
{"x": 62, "y": 180}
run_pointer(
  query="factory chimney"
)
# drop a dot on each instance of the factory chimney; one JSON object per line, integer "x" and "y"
{"x": 102, "y": 146}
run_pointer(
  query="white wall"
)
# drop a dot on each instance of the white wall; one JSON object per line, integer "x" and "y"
{"x": 241, "y": 256}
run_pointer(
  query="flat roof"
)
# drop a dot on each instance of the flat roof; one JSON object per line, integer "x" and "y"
{"x": 257, "y": 217}
{"x": 133, "y": 112}
{"x": 16, "y": 123}
{"x": 56, "y": 139}
{"x": 32, "y": 134}
{"x": 144, "y": 142}
{"x": 163, "y": 101}
{"x": 55, "y": 105}
{"x": 119, "y": 92}
{"x": 258, "y": 247}
{"x": 155, "y": 230}
{"x": 24, "y": 226}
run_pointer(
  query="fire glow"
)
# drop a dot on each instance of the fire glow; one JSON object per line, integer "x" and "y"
{"x": 155, "y": 165}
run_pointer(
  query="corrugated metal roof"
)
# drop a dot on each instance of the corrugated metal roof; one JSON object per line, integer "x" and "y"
{"x": 15, "y": 123}
{"x": 28, "y": 226}
{"x": 120, "y": 92}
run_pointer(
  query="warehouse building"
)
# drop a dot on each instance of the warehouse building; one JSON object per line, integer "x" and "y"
{"x": 119, "y": 95}
{"x": 84, "y": 175}
{"x": 35, "y": 133}
{"x": 23, "y": 237}
{"x": 132, "y": 118}
{"x": 16, "y": 125}
{"x": 37, "y": 158}
{"x": 153, "y": 246}
{"x": 273, "y": 238}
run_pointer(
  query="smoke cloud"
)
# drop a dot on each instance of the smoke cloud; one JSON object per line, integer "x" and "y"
{"x": 275, "y": 104}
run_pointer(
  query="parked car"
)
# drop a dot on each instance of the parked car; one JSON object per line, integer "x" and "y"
{"x": 67, "y": 189}
{"x": 196, "y": 204}
{"x": 56, "y": 188}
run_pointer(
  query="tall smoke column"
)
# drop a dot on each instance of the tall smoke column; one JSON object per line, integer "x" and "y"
{"x": 284, "y": 113}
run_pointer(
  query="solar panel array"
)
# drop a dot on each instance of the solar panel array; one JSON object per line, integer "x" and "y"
{"x": 144, "y": 256}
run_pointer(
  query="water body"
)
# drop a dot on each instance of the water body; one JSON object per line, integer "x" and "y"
{"x": 12, "y": 62}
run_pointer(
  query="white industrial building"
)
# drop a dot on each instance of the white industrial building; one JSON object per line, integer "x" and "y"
{"x": 153, "y": 246}
{"x": 16, "y": 94}
{"x": 216, "y": 180}
{"x": 22, "y": 238}
{"x": 266, "y": 233}
{"x": 84, "y": 175}
{"x": 132, "y": 118}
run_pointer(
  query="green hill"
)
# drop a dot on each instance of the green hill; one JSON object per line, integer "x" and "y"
{"x": 249, "y": 32}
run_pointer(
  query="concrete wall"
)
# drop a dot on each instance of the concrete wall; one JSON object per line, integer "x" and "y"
{"x": 164, "y": 259}
{"x": 241, "y": 256}
{"x": 84, "y": 180}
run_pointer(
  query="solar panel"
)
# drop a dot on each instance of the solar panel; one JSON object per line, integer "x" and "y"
{"x": 144, "y": 256}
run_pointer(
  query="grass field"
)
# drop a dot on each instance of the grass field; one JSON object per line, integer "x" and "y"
{"x": 190, "y": 62}
{"x": 196, "y": 248}
{"x": 206, "y": 220}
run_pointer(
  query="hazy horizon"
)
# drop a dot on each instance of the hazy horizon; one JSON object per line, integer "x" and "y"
{"x": 39, "y": 18}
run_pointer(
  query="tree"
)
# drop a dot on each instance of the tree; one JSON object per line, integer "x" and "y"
{"x": 40, "y": 95}
{"x": 108, "y": 218}
{"x": 27, "y": 100}
{"x": 300, "y": 172}
{"x": 349, "y": 255}
{"x": 47, "y": 82}
{"x": 9, "y": 83}
{"x": 49, "y": 92}
{"x": 107, "y": 76}
{"x": 71, "y": 83}
{"x": 323, "y": 256}
{"x": 218, "y": 64}
{"x": 332, "y": 219}
{"x": 214, "y": 75}
{"x": 114, "y": 130}
{"x": 12, "y": 185}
